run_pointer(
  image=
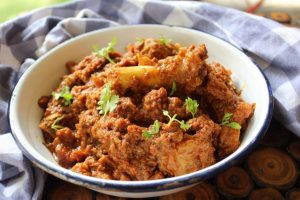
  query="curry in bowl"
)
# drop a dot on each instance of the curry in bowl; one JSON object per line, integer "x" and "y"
{"x": 158, "y": 110}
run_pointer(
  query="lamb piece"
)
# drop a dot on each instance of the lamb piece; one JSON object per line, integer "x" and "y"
{"x": 178, "y": 153}
{"x": 186, "y": 68}
{"x": 127, "y": 61}
{"x": 82, "y": 71}
{"x": 128, "y": 156}
{"x": 108, "y": 130}
{"x": 229, "y": 139}
{"x": 132, "y": 156}
{"x": 92, "y": 166}
{"x": 43, "y": 101}
{"x": 176, "y": 106}
{"x": 125, "y": 109}
{"x": 66, "y": 136}
{"x": 221, "y": 95}
{"x": 146, "y": 61}
{"x": 219, "y": 91}
{"x": 154, "y": 103}
{"x": 86, "y": 121}
{"x": 154, "y": 48}
{"x": 204, "y": 124}
{"x": 243, "y": 112}
{"x": 46, "y": 123}
{"x": 68, "y": 152}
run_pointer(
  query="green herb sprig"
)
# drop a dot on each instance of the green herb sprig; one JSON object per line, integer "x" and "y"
{"x": 154, "y": 129}
{"x": 104, "y": 52}
{"x": 139, "y": 40}
{"x": 55, "y": 126}
{"x": 164, "y": 40}
{"x": 108, "y": 102}
{"x": 226, "y": 122}
{"x": 191, "y": 105}
{"x": 173, "y": 89}
{"x": 65, "y": 94}
{"x": 183, "y": 125}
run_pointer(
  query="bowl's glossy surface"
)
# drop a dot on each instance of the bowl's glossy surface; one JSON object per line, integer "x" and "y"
{"x": 44, "y": 75}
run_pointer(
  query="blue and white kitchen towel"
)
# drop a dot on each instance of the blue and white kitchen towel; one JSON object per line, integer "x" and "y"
{"x": 22, "y": 40}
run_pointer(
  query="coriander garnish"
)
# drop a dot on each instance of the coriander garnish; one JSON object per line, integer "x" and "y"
{"x": 152, "y": 131}
{"x": 139, "y": 40}
{"x": 65, "y": 94}
{"x": 191, "y": 105}
{"x": 107, "y": 102}
{"x": 54, "y": 125}
{"x": 164, "y": 40}
{"x": 104, "y": 52}
{"x": 183, "y": 125}
{"x": 173, "y": 89}
{"x": 226, "y": 122}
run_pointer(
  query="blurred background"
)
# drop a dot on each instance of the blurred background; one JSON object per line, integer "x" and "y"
{"x": 283, "y": 11}
{"x": 12, "y": 8}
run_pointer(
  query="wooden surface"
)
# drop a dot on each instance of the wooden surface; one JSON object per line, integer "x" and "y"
{"x": 270, "y": 171}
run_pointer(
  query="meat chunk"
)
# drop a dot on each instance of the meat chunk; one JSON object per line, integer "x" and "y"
{"x": 186, "y": 153}
{"x": 154, "y": 48}
{"x": 68, "y": 155}
{"x": 218, "y": 91}
{"x": 46, "y": 123}
{"x": 101, "y": 168}
{"x": 108, "y": 130}
{"x": 219, "y": 85}
{"x": 229, "y": 139}
{"x": 176, "y": 106}
{"x": 186, "y": 68}
{"x": 125, "y": 109}
{"x": 43, "y": 101}
{"x": 204, "y": 125}
{"x": 221, "y": 95}
{"x": 132, "y": 155}
{"x": 243, "y": 113}
{"x": 82, "y": 72}
{"x": 154, "y": 103}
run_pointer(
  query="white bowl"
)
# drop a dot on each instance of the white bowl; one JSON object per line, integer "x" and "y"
{"x": 44, "y": 75}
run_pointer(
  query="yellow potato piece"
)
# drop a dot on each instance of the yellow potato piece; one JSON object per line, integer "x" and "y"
{"x": 146, "y": 75}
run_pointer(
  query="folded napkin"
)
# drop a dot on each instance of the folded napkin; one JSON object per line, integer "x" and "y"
{"x": 23, "y": 40}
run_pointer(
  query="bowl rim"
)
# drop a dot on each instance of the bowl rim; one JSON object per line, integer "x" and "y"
{"x": 149, "y": 185}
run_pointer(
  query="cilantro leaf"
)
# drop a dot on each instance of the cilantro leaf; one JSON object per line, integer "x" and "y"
{"x": 152, "y": 131}
{"x": 191, "y": 105}
{"x": 226, "y": 118}
{"x": 166, "y": 113}
{"x": 234, "y": 125}
{"x": 183, "y": 125}
{"x": 139, "y": 40}
{"x": 65, "y": 94}
{"x": 55, "y": 126}
{"x": 107, "y": 102}
{"x": 164, "y": 40}
{"x": 226, "y": 122}
{"x": 173, "y": 89}
{"x": 104, "y": 52}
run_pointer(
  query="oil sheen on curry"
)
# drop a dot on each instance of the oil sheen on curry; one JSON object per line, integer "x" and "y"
{"x": 158, "y": 110}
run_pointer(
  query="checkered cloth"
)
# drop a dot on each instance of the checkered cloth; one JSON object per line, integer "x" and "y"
{"x": 23, "y": 40}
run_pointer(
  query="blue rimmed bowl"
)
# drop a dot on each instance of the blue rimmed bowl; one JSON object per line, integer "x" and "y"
{"x": 42, "y": 77}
